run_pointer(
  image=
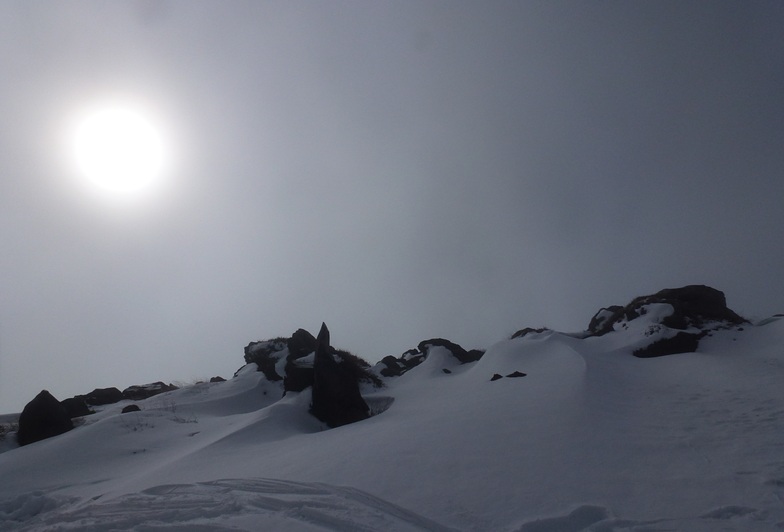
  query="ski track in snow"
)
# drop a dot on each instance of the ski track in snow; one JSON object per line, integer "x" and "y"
{"x": 228, "y": 504}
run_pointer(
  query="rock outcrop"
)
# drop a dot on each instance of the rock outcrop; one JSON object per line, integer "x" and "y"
{"x": 292, "y": 359}
{"x": 695, "y": 311}
{"x": 336, "y": 397}
{"x": 693, "y": 306}
{"x": 145, "y": 391}
{"x": 42, "y": 418}
{"x": 391, "y": 366}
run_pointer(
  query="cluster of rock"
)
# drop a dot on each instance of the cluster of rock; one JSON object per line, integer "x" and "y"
{"x": 396, "y": 366}
{"x": 336, "y": 376}
{"x": 45, "y": 416}
{"x": 696, "y": 311}
{"x": 79, "y": 405}
{"x": 302, "y": 361}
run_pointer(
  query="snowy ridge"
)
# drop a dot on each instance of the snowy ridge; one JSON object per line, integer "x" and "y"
{"x": 591, "y": 438}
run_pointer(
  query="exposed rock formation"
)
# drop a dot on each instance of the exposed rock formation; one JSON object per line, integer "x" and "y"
{"x": 528, "y": 330}
{"x": 696, "y": 310}
{"x": 130, "y": 408}
{"x": 693, "y": 306}
{"x": 291, "y": 360}
{"x": 336, "y": 397}
{"x": 144, "y": 391}
{"x": 42, "y": 418}
{"x": 394, "y": 367}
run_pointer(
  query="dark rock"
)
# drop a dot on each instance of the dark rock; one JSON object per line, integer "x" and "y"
{"x": 495, "y": 377}
{"x": 446, "y": 371}
{"x": 76, "y": 407}
{"x": 144, "y": 391}
{"x": 395, "y": 367}
{"x": 298, "y": 377}
{"x": 516, "y": 374}
{"x": 217, "y": 379}
{"x": 266, "y": 355}
{"x": 693, "y": 306}
{"x": 42, "y": 418}
{"x": 301, "y": 344}
{"x": 103, "y": 396}
{"x": 682, "y": 342}
{"x": 600, "y": 319}
{"x": 297, "y": 372}
{"x": 463, "y": 356}
{"x": 130, "y": 408}
{"x": 528, "y": 330}
{"x": 336, "y": 397}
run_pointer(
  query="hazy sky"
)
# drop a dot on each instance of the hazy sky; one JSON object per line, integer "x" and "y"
{"x": 401, "y": 170}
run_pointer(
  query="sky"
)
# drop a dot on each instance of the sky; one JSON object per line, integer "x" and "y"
{"x": 399, "y": 170}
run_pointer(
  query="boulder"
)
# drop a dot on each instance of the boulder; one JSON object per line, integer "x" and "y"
{"x": 301, "y": 344}
{"x": 130, "y": 408}
{"x": 42, "y": 418}
{"x": 217, "y": 379}
{"x": 76, "y": 406}
{"x": 336, "y": 398}
{"x": 103, "y": 396}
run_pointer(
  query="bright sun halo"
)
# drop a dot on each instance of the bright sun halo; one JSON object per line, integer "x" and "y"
{"x": 118, "y": 149}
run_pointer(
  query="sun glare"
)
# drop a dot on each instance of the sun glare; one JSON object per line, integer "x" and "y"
{"x": 118, "y": 149}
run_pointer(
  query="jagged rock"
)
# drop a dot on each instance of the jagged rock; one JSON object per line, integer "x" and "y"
{"x": 336, "y": 397}
{"x": 217, "y": 379}
{"x": 144, "y": 391}
{"x": 76, "y": 407}
{"x": 495, "y": 377}
{"x": 102, "y": 396}
{"x": 130, "y": 408}
{"x": 600, "y": 320}
{"x": 395, "y": 367}
{"x": 693, "y": 306}
{"x": 463, "y": 356}
{"x": 528, "y": 330}
{"x": 516, "y": 374}
{"x": 42, "y": 418}
{"x": 301, "y": 344}
{"x": 266, "y": 355}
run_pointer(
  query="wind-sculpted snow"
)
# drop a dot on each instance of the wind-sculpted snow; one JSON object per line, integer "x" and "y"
{"x": 228, "y": 504}
{"x": 590, "y": 439}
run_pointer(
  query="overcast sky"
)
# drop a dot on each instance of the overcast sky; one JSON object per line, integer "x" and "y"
{"x": 401, "y": 170}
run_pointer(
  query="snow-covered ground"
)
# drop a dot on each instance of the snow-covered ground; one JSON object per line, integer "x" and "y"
{"x": 591, "y": 439}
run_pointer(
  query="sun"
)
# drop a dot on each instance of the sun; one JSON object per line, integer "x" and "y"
{"x": 118, "y": 148}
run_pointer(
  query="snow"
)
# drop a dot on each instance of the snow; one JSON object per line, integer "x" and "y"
{"x": 591, "y": 438}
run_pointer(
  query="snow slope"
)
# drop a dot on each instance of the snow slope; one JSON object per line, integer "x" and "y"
{"x": 591, "y": 439}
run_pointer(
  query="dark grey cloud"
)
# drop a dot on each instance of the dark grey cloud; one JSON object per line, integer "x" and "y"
{"x": 399, "y": 170}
